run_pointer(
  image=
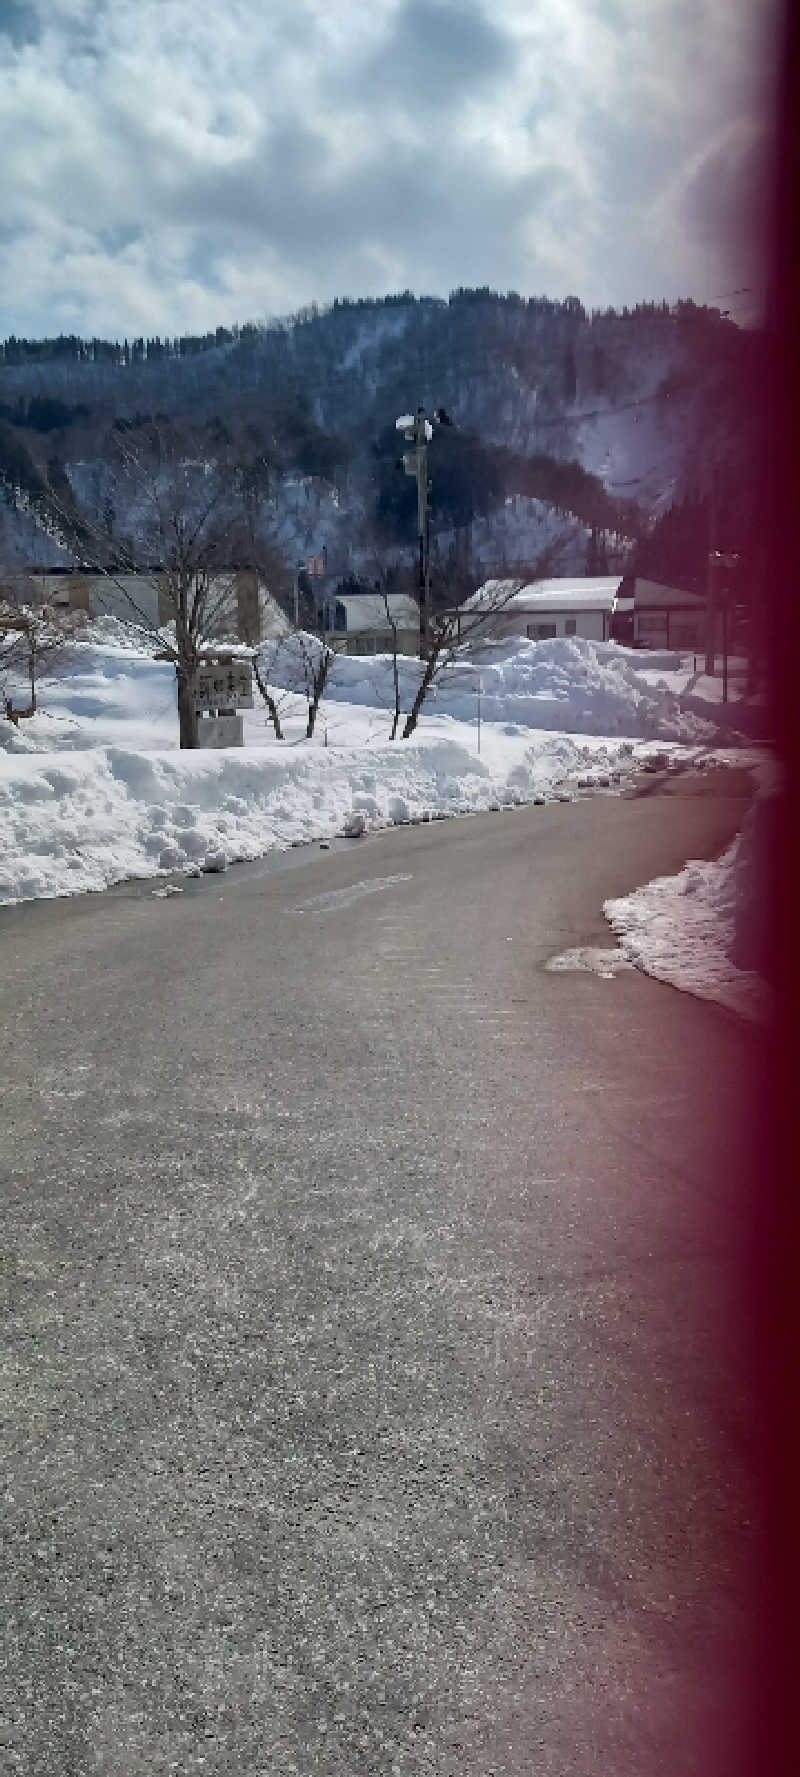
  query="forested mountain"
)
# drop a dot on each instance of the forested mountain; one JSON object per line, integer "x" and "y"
{"x": 583, "y": 431}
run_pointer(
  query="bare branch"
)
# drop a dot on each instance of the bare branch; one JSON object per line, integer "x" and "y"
{"x": 447, "y": 637}
{"x": 35, "y": 642}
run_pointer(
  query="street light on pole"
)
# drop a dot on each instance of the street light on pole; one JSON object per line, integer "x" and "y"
{"x": 417, "y": 430}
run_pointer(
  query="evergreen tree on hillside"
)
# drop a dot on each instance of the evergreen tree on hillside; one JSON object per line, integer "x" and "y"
{"x": 570, "y": 376}
{"x": 311, "y": 392}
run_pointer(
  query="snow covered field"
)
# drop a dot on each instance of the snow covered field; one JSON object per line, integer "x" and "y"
{"x": 93, "y": 789}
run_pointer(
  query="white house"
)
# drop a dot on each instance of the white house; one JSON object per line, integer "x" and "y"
{"x": 241, "y": 602}
{"x": 663, "y": 616}
{"x": 620, "y": 608}
{"x": 543, "y": 609}
{"x": 361, "y": 625}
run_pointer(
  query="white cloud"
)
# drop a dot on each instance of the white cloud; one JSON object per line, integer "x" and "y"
{"x": 169, "y": 166}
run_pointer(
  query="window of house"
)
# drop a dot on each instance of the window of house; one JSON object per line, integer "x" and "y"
{"x": 571, "y": 626}
{"x": 541, "y": 632}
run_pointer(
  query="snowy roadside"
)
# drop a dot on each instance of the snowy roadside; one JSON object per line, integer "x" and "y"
{"x": 701, "y": 929}
{"x": 93, "y": 789}
{"x": 681, "y": 930}
{"x": 81, "y": 820}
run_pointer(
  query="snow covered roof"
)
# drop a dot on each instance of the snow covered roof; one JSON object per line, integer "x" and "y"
{"x": 574, "y": 594}
{"x": 651, "y": 592}
{"x": 366, "y": 610}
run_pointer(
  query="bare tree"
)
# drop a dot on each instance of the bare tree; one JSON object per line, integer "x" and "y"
{"x": 451, "y": 632}
{"x": 259, "y": 544}
{"x": 35, "y": 639}
{"x": 304, "y": 663}
{"x": 188, "y": 519}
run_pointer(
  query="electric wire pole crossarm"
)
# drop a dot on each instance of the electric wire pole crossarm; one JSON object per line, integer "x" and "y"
{"x": 417, "y": 430}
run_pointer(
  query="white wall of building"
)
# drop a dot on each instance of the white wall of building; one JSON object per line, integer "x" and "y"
{"x": 542, "y": 625}
{"x": 133, "y": 598}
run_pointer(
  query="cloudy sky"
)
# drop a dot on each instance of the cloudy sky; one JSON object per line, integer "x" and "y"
{"x": 174, "y": 164}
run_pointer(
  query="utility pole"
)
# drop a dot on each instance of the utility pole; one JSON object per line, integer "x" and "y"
{"x": 711, "y": 580}
{"x": 418, "y": 432}
{"x": 731, "y": 562}
{"x": 756, "y": 583}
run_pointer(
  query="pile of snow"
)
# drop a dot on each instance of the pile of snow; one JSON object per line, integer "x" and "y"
{"x": 111, "y": 692}
{"x": 14, "y": 739}
{"x": 83, "y": 820}
{"x": 93, "y": 788}
{"x": 567, "y": 684}
{"x": 681, "y": 929}
{"x": 115, "y": 693}
{"x": 706, "y": 929}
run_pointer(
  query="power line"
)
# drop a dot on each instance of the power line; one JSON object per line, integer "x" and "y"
{"x": 595, "y": 413}
{"x": 743, "y": 290}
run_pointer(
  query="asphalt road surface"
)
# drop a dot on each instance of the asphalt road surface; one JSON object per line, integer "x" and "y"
{"x": 375, "y": 1389}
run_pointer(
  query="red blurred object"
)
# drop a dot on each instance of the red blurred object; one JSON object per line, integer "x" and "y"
{"x": 774, "y": 1273}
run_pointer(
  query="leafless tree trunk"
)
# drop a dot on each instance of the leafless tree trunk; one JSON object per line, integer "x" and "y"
{"x": 395, "y": 673}
{"x": 272, "y": 707}
{"x": 452, "y": 630}
{"x": 436, "y": 644}
{"x": 193, "y": 521}
{"x": 187, "y": 702}
{"x": 319, "y": 680}
{"x": 32, "y": 665}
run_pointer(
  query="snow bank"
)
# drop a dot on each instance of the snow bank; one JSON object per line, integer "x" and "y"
{"x": 568, "y": 684}
{"x": 15, "y": 739}
{"x": 114, "y": 692}
{"x": 83, "y": 820}
{"x": 93, "y": 788}
{"x": 706, "y": 929}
